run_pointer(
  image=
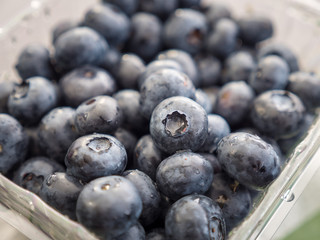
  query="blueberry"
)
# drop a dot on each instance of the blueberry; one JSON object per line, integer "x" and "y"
{"x": 149, "y": 195}
{"x": 147, "y": 156}
{"x": 203, "y": 99}
{"x": 178, "y": 123}
{"x": 156, "y": 234}
{"x": 146, "y": 35}
{"x": 161, "y": 8}
{"x": 32, "y": 99}
{"x": 233, "y": 198}
{"x": 136, "y": 232}
{"x": 271, "y": 73}
{"x": 34, "y": 60}
{"x": 109, "y": 206}
{"x": 56, "y": 132}
{"x": 6, "y": 87}
{"x": 31, "y": 174}
{"x": 218, "y": 128}
{"x": 61, "y": 192}
{"x": 100, "y": 114}
{"x": 282, "y": 51}
{"x": 185, "y": 60}
{"x": 13, "y": 143}
{"x": 248, "y": 159}
{"x": 157, "y": 65}
{"x": 129, "y": 141}
{"x": 78, "y": 47}
{"x": 223, "y": 39}
{"x": 129, "y": 68}
{"x": 129, "y": 104}
{"x": 84, "y": 83}
{"x": 185, "y": 29}
{"x": 184, "y": 173}
{"x": 195, "y": 217}
{"x": 238, "y": 67}
{"x": 234, "y": 101}
{"x": 213, "y": 160}
{"x": 209, "y": 70}
{"x": 94, "y": 156}
{"x": 277, "y": 113}
{"x": 163, "y": 84}
{"x": 306, "y": 86}
{"x": 254, "y": 29}
{"x": 215, "y": 11}
{"x": 127, "y": 6}
{"x": 62, "y": 27}
{"x": 110, "y": 22}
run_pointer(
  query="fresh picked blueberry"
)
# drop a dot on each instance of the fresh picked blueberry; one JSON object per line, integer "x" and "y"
{"x": 162, "y": 84}
{"x": 195, "y": 217}
{"x": 96, "y": 155}
{"x": 13, "y": 143}
{"x": 108, "y": 20}
{"x": 271, "y": 73}
{"x": 278, "y": 113}
{"x": 32, "y": 99}
{"x": 149, "y": 195}
{"x": 78, "y": 47}
{"x": 31, "y": 174}
{"x": 34, "y": 60}
{"x": 160, "y": 8}
{"x": 233, "y": 198}
{"x": 61, "y": 192}
{"x": 56, "y": 132}
{"x": 147, "y": 156}
{"x": 184, "y": 173}
{"x": 248, "y": 159}
{"x": 146, "y": 35}
{"x": 185, "y": 29}
{"x": 100, "y": 114}
{"x": 178, "y": 123}
{"x": 84, "y": 83}
{"x": 109, "y": 206}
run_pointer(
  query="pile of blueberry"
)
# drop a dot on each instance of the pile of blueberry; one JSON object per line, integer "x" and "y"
{"x": 154, "y": 119}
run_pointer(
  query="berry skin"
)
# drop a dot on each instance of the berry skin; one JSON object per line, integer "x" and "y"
{"x": 277, "y": 113}
{"x": 100, "y": 114}
{"x": 109, "y": 206}
{"x": 178, "y": 123}
{"x": 184, "y": 173}
{"x": 185, "y": 29}
{"x": 127, "y": 6}
{"x": 32, "y": 99}
{"x": 84, "y": 83}
{"x": 96, "y": 155}
{"x": 31, "y": 174}
{"x": 163, "y": 84}
{"x": 195, "y": 217}
{"x": 248, "y": 159}
{"x": 149, "y": 195}
{"x": 78, "y": 47}
{"x": 110, "y": 22}
{"x": 61, "y": 191}
{"x": 136, "y": 232}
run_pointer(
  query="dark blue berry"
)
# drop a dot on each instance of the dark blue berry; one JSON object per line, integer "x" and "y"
{"x": 31, "y": 174}
{"x": 184, "y": 173}
{"x": 94, "y": 156}
{"x": 209, "y": 70}
{"x": 109, "y": 206}
{"x": 136, "y": 232}
{"x": 161, "y": 8}
{"x": 127, "y": 6}
{"x": 195, "y": 217}
{"x": 178, "y": 123}
{"x": 62, "y": 27}
{"x": 248, "y": 159}
{"x": 61, "y": 192}
{"x": 84, "y": 83}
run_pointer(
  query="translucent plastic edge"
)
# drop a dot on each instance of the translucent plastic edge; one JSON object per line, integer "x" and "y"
{"x": 275, "y": 195}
